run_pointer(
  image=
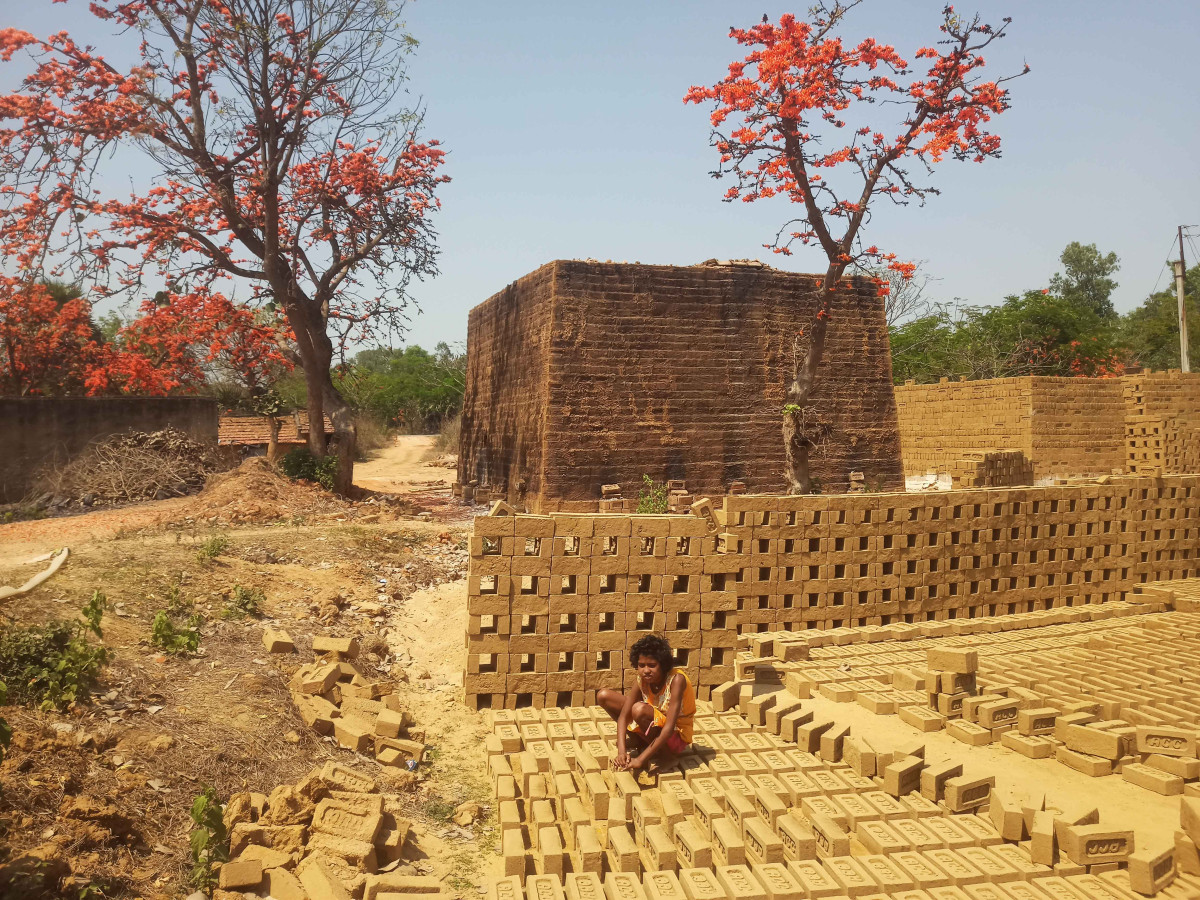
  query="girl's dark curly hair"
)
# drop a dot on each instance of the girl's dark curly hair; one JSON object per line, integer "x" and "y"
{"x": 653, "y": 645}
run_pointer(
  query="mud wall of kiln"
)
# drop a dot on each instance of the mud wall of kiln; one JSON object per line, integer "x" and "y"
{"x": 676, "y": 373}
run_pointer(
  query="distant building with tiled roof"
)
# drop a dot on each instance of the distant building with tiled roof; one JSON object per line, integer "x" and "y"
{"x": 253, "y": 431}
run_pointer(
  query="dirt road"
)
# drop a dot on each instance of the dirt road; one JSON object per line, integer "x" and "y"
{"x": 405, "y": 467}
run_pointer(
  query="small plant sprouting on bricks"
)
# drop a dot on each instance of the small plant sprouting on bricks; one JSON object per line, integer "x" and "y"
{"x": 653, "y": 498}
{"x": 209, "y": 841}
{"x": 175, "y": 639}
{"x": 54, "y": 665}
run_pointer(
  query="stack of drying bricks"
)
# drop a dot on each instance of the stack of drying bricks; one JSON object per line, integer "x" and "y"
{"x": 995, "y": 468}
{"x": 334, "y": 698}
{"x": 774, "y": 804}
{"x": 554, "y": 603}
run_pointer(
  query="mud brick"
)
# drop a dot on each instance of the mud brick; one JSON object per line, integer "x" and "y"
{"x": 1151, "y": 870}
{"x": 808, "y": 735}
{"x": 588, "y": 855}
{"x": 700, "y": 884}
{"x": 956, "y": 866}
{"x": 850, "y": 874}
{"x": 583, "y": 886}
{"x": 948, "y": 659}
{"x": 797, "y": 838}
{"x": 623, "y": 886}
{"x": 769, "y": 805}
{"x": 622, "y": 851}
{"x": 934, "y": 778}
{"x": 1007, "y": 818}
{"x": 1096, "y": 844}
{"x": 950, "y": 705}
{"x": 319, "y": 879}
{"x": 1018, "y": 857}
{"x": 997, "y": 713}
{"x": 739, "y": 807}
{"x": 969, "y": 733}
{"x": 814, "y": 879}
{"x": 762, "y": 843}
{"x": 878, "y": 837}
{"x": 925, "y": 720}
{"x": 1092, "y": 741}
{"x": 1165, "y": 741}
{"x": 1033, "y": 747}
{"x": 1152, "y": 779}
{"x": 830, "y": 838}
{"x": 739, "y": 883}
{"x": 1186, "y": 767}
{"x": 343, "y": 648}
{"x": 663, "y": 886}
{"x": 857, "y": 809}
{"x": 315, "y": 678}
{"x": 831, "y": 742}
{"x": 241, "y": 874}
{"x": 1189, "y": 818}
{"x": 916, "y": 835}
{"x": 507, "y": 888}
{"x": 707, "y": 810}
{"x": 729, "y": 848}
{"x": 903, "y": 776}
{"x": 952, "y": 682}
{"x": 693, "y": 848}
{"x": 921, "y": 870}
{"x": 951, "y": 834}
{"x": 1043, "y": 839}
{"x": 859, "y": 755}
{"x": 1095, "y": 766}
{"x": 659, "y": 851}
{"x": 1187, "y": 855}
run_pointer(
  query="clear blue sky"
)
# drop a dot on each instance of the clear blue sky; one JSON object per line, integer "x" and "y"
{"x": 568, "y": 138}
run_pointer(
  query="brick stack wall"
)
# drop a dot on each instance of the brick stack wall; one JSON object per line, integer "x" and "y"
{"x": 677, "y": 373}
{"x": 1162, "y": 422}
{"x": 504, "y": 406}
{"x": 1067, "y": 427}
{"x": 995, "y": 468}
{"x": 555, "y": 601}
{"x": 942, "y": 423}
{"x": 1076, "y": 427}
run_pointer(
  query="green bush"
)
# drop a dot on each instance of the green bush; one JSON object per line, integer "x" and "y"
{"x": 171, "y": 638}
{"x": 209, "y": 841}
{"x": 212, "y": 548}
{"x": 300, "y": 463}
{"x": 243, "y": 602}
{"x": 56, "y": 664}
{"x": 653, "y": 497}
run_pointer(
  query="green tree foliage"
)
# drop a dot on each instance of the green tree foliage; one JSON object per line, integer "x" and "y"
{"x": 1087, "y": 282}
{"x": 410, "y": 387}
{"x": 1151, "y": 332}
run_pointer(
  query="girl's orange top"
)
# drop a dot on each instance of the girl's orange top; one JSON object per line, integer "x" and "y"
{"x": 687, "y": 705}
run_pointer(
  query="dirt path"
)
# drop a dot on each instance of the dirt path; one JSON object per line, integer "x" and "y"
{"x": 403, "y": 467}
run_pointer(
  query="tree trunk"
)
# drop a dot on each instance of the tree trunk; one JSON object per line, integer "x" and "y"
{"x": 316, "y": 357}
{"x": 797, "y": 441}
{"x": 272, "y": 439}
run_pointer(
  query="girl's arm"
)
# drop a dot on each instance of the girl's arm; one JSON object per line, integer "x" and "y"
{"x": 632, "y": 696}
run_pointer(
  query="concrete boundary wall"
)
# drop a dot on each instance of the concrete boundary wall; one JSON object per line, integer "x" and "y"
{"x": 42, "y": 431}
{"x": 555, "y": 601}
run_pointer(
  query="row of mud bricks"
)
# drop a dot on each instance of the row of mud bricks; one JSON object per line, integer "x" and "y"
{"x": 773, "y": 804}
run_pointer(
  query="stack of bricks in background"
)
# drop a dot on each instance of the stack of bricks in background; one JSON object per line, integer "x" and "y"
{"x": 1103, "y": 689}
{"x": 994, "y": 468}
{"x": 775, "y": 802}
{"x": 1163, "y": 421}
{"x": 584, "y": 373}
{"x": 555, "y": 601}
{"x": 1066, "y": 427}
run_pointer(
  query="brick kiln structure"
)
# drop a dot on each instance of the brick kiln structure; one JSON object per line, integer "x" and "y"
{"x": 583, "y": 374}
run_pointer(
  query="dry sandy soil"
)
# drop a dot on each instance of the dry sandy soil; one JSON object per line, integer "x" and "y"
{"x": 106, "y": 786}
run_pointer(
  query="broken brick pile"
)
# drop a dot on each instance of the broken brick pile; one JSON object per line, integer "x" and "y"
{"x": 334, "y": 698}
{"x": 331, "y": 836}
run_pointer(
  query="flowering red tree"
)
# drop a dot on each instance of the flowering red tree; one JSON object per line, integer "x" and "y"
{"x": 46, "y": 346}
{"x": 795, "y": 104}
{"x": 280, "y": 159}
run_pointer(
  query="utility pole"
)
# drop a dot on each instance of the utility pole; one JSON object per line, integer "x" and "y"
{"x": 1180, "y": 272}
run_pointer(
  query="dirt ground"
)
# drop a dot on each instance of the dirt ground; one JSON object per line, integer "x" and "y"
{"x": 105, "y": 787}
